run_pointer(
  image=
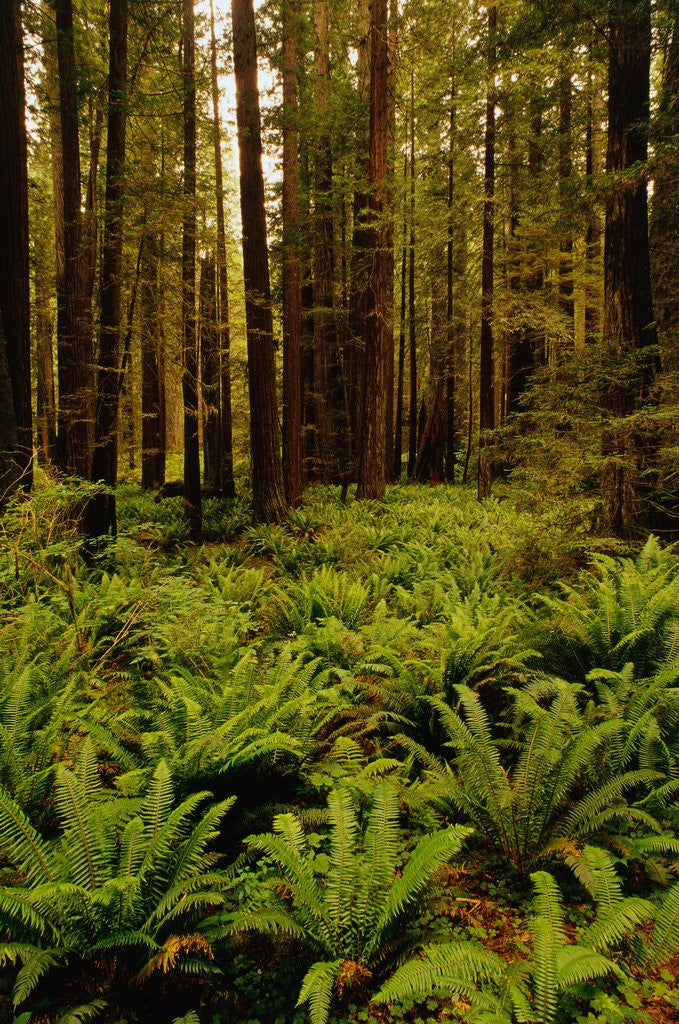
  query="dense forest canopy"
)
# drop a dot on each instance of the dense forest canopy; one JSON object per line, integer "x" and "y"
{"x": 339, "y": 416}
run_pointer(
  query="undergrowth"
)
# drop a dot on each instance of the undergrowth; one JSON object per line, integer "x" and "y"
{"x": 413, "y": 761}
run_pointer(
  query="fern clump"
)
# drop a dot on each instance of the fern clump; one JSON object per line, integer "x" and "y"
{"x": 550, "y": 796}
{"x": 119, "y": 895}
{"x": 351, "y": 907}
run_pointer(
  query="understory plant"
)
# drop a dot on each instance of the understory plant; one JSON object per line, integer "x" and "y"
{"x": 351, "y": 905}
{"x": 116, "y": 898}
{"x": 552, "y": 788}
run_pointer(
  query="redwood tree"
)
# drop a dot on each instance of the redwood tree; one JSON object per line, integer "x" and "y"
{"x": 487, "y": 374}
{"x": 226, "y": 482}
{"x": 16, "y": 433}
{"x": 373, "y": 457}
{"x": 101, "y": 513}
{"x": 292, "y": 271}
{"x": 74, "y": 346}
{"x": 189, "y": 336}
{"x": 269, "y": 504}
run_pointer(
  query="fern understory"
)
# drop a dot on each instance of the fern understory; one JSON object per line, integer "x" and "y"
{"x": 416, "y": 762}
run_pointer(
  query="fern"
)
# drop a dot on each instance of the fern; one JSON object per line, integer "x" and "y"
{"x": 350, "y": 913}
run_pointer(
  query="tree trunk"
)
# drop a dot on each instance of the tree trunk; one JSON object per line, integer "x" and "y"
{"x": 269, "y": 504}
{"x": 331, "y": 420}
{"x": 353, "y": 355}
{"x": 566, "y": 302}
{"x": 16, "y": 436}
{"x": 398, "y": 437}
{"x": 665, "y": 206}
{"x": 51, "y": 85}
{"x": 74, "y": 355}
{"x": 373, "y": 458}
{"x": 226, "y": 482}
{"x": 189, "y": 337}
{"x": 412, "y": 411}
{"x": 389, "y": 213}
{"x": 152, "y": 373}
{"x": 209, "y": 359}
{"x": 593, "y": 237}
{"x": 487, "y": 373}
{"x": 451, "y": 354}
{"x": 292, "y": 271}
{"x": 101, "y": 511}
{"x": 44, "y": 366}
{"x": 629, "y": 324}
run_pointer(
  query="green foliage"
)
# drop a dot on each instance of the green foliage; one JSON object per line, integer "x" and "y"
{"x": 349, "y": 903}
{"x": 394, "y": 658}
{"x": 127, "y": 880}
{"x": 529, "y": 811}
{"x": 528, "y": 990}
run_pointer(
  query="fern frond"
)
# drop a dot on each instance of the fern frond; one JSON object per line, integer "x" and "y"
{"x": 317, "y": 988}
{"x": 450, "y": 966}
{"x": 665, "y": 938}
{"x": 22, "y": 845}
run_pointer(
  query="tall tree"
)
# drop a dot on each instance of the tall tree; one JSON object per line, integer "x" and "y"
{"x": 152, "y": 371}
{"x": 373, "y": 456}
{"x": 44, "y": 363}
{"x": 101, "y": 512}
{"x": 292, "y": 270}
{"x": 189, "y": 336}
{"x": 629, "y": 324}
{"x": 16, "y": 427}
{"x": 412, "y": 338}
{"x": 353, "y": 352}
{"x": 398, "y": 434}
{"x": 665, "y": 202}
{"x": 269, "y": 504}
{"x": 566, "y": 298}
{"x": 226, "y": 482}
{"x": 487, "y": 372}
{"x": 451, "y": 354}
{"x": 209, "y": 363}
{"x": 74, "y": 354}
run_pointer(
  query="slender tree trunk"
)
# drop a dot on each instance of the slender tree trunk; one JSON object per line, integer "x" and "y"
{"x": 324, "y": 314}
{"x": 353, "y": 355}
{"x": 51, "y": 84}
{"x": 398, "y": 437}
{"x": 451, "y": 354}
{"x": 665, "y": 206}
{"x": 269, "y": 504}
{"x": 391, "y": 156}
{"x": 209, "y": 358}
{"x": 412, "y": 411}
{"x": 75, "y": 371}
{"x": 526, "y": 343}
{"x": 126, "y": 394}
{"x": 593, "y": 238}
{"x": 189, "y": 336}
{"x": 44, "y": 366}
{"x": 487, "y": 373}
{"x": 292, "y": 271}
{"x": 16, "y": 426}
{"x": 101, "y": 512}
{"x": 470, "y": 406}
{"x": 566, "y": 302}
{"x": 226, "y": 481}
{"x": 373, "y": 458}
{"x": 152, "y": 373}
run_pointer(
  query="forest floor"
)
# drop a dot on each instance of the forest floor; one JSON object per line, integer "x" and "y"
{"x": 313, "y": 650}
